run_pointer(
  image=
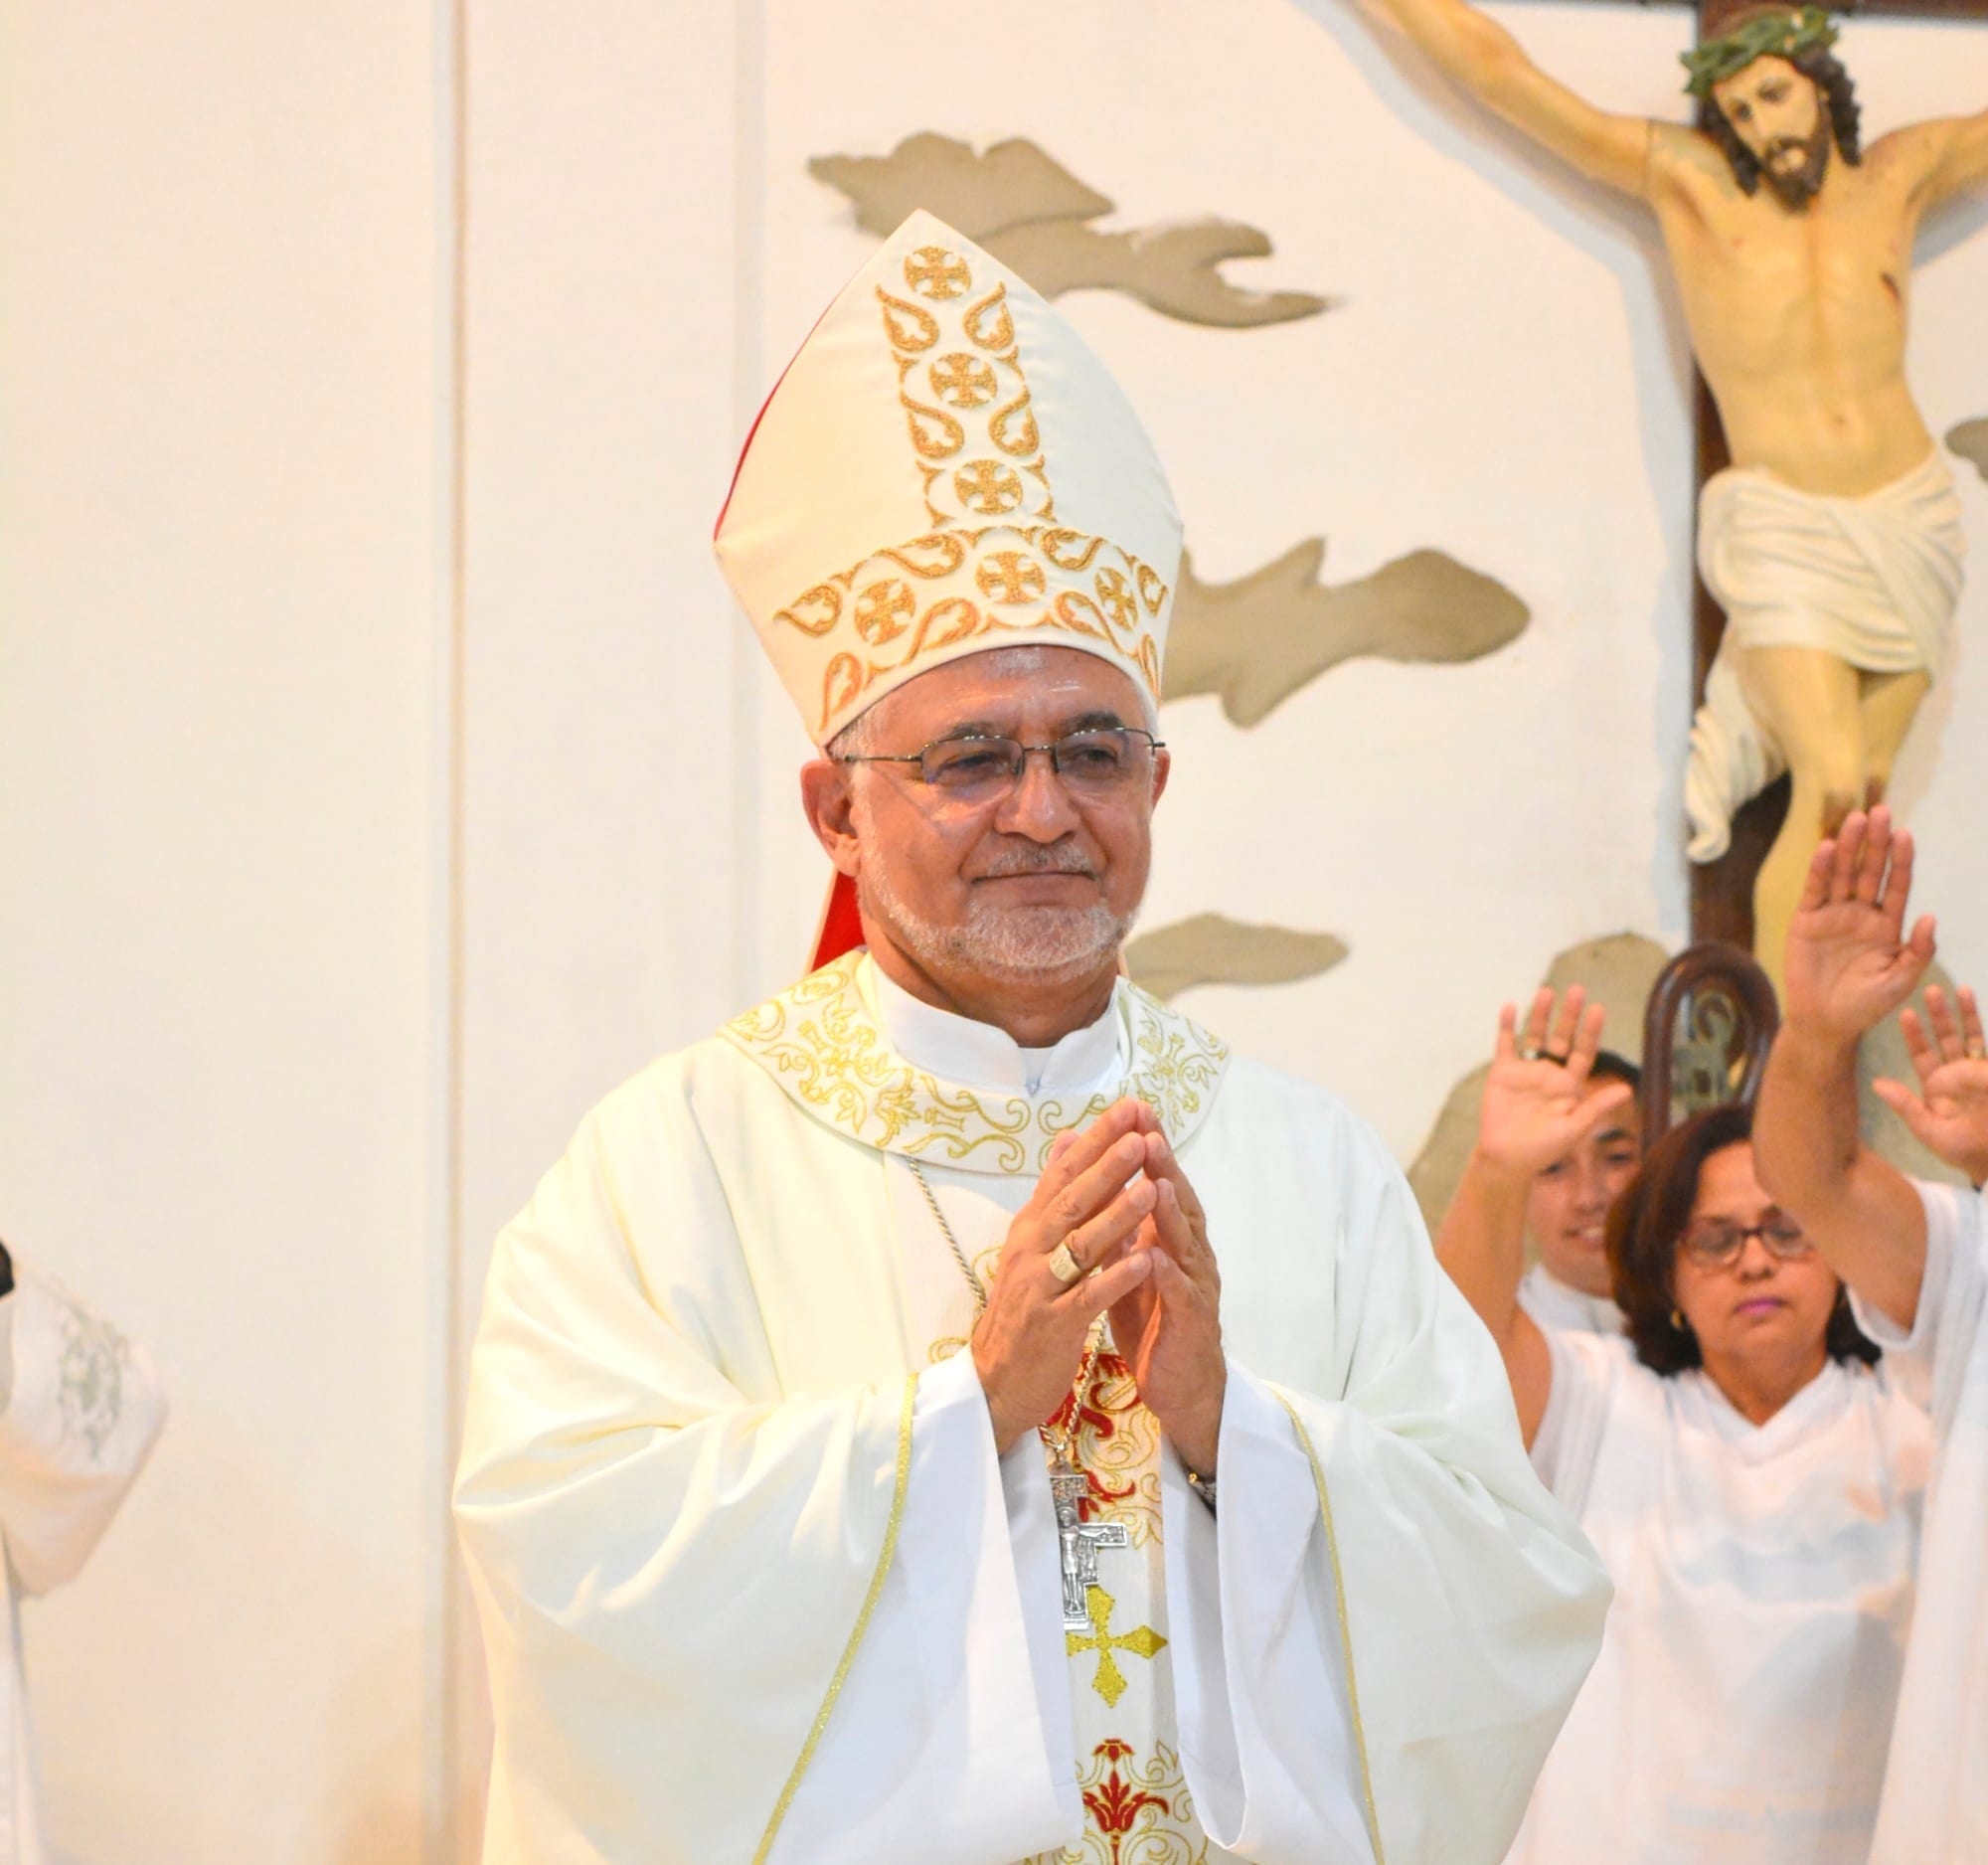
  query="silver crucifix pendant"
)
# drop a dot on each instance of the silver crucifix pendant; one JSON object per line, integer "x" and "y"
{"x": 1080, "y": 1542}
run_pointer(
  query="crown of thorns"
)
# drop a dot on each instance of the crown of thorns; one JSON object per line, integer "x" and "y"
{"x": 1768, "y": 36}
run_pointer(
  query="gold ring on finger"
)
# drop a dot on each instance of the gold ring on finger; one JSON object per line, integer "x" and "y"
{"x": 1064, "y": 1265}
{"x": 1977, "y": 1051}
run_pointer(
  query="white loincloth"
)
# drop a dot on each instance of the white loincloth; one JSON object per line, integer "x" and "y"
{"x": 1872, "y": 581}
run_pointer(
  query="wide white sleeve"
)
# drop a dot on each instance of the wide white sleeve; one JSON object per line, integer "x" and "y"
{"x": 1953, "y": 1295}
{"x": 80, "y": 1413}
{"x": 1259, "y": 1662}
{"x": 724, "y": 1622}
{"x": 952, "y": 1739}
{"x": 1466, "y": 1605}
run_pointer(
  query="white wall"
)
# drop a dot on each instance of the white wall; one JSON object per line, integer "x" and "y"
{"x": 216, "y": 720}
{"x": 384, "y": 774}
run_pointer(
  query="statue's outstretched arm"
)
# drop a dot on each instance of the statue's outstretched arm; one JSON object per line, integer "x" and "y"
{"x": 1963, "y": 156}
{"x": 1477, "y": 52}
{"x": 1937, "y": 159}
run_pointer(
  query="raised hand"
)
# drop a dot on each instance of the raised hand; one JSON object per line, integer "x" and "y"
{"x": 1029, "y": 1342}
{"x": 1537, "y": 1108}
{"x": 1950, "y": 1114}
{"x": 1169, "y": 1329}
{"x": 1850, "y": 963}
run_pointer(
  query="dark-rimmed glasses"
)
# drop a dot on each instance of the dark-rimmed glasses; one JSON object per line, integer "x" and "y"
{"x": 975, "y": 768}
{"x": 1716, "y": 1244}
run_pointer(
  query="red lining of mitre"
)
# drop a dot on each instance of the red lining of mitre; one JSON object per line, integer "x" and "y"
{"x": 753, "y": 432}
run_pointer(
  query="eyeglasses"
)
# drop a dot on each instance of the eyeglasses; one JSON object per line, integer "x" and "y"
{"x": 1716, "y": 1244}
{"x": 974, "y": 767}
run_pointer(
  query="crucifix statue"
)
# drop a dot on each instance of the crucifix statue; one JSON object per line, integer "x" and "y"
{"x": 1833, "y": 541}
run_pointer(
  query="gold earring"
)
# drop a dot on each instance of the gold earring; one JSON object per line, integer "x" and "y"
{"x": 1678, "y": 1322}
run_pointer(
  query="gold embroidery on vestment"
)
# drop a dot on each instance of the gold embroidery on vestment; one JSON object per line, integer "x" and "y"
{"x": 901, "y": 1484}
{"x": 980, "y": 418}
{"x": 820, "y": 1043}
{"x": 1145, "y": 1642}
{"x": 963, "y": 381}
{"x": 1118, "y": 1447}
{"x": 1345, "y": 1629}
{"x": 935, "y": 272}
{"x": 1134, "y": 1812}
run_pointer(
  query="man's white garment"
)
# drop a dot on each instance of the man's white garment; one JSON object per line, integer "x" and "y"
{"x": 1935, "y": 1804}
{"x": 755, "y": 1586}
{"x": 1741, "y": 1705}
{"x": 1557, "y": 1305}
{"x": 80, "y": 1410}
{"x": 1872, "y": 581}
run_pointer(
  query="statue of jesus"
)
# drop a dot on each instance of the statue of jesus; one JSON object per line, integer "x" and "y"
{"x": 1833, "y": 541}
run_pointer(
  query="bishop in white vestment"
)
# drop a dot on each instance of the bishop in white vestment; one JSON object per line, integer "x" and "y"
{"x": 766, "y": 1570}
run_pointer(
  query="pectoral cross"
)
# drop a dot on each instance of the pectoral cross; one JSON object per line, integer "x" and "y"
{"x": 1078, "y": 1542}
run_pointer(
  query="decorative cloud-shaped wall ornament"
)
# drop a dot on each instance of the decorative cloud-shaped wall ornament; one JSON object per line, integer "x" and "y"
{"x": 1033, "y": 214}
{"x": 1970, "y": 442}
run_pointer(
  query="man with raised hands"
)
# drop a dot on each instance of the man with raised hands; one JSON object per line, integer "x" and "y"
{"x": 1915, "y": 1259}
{"x": 1555, "y": 1148}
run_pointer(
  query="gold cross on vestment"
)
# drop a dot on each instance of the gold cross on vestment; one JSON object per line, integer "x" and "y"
{"x": 1145, "y": 1643}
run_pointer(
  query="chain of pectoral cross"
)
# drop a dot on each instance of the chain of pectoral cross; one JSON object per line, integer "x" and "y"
{"x": 1078, "y": 1540}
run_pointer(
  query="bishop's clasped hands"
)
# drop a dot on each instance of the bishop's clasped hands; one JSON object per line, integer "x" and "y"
{"x": 1113, "y": 1198}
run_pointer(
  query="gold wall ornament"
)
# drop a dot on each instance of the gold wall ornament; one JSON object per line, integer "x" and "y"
{"x": 819, "y": 1042}
{"x": 1970, "y": 442}
{"x": 1030, "y": 212}
{"x": 1212, "y": 948}
{"x": 1257, "y": 641}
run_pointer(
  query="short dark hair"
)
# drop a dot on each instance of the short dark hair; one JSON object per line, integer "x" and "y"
{"x": 1823, "y": 69}
{"x": 1644, "y": 1225}
{"x": 1609, "y": 1067}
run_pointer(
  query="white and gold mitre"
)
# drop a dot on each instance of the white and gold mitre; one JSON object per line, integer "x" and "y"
{"x": 944, "y": 469}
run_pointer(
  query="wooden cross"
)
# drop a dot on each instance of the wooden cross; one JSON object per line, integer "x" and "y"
{"x": 1145, "y": 1643}
{"x": 1721, "y": 890}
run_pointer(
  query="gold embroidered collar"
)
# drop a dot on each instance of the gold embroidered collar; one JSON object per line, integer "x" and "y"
{"x": 820, "y": 1041}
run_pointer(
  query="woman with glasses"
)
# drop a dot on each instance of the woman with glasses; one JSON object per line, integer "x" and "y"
{"x": 1752, "y": 1481}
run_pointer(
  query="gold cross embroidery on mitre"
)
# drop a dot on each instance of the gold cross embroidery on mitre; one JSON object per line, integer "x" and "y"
{"x": 1109, "y": 1682}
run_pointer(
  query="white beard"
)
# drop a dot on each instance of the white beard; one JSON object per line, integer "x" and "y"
{"x": 1031, "y": 944}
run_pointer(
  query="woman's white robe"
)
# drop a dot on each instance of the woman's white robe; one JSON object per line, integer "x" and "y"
{"x": 1742, "y": 1706}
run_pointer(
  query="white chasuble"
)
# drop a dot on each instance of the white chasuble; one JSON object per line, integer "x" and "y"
{"x": 81, "y": 1407}
{"x": 755, "y": 1587}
